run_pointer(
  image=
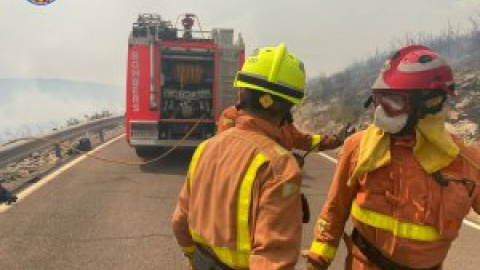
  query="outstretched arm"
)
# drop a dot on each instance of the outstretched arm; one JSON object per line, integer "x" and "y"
{"x": 330, "y": 224}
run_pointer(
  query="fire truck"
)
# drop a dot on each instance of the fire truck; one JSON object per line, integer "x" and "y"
{"x": 179, "y": 79}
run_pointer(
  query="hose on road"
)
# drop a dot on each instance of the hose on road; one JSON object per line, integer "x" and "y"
{"x": 115, "y": 161}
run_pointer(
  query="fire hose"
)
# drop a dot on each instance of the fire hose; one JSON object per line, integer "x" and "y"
{"x": 123, "y": 162}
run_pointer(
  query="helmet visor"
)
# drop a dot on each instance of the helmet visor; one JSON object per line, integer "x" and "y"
{"x": 394, "y": 103}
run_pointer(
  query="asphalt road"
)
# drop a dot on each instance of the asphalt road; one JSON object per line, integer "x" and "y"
{"x": 99, "y": 216}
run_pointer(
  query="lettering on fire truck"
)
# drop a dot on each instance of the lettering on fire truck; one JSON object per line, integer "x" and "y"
{"x": 135, "y": 64}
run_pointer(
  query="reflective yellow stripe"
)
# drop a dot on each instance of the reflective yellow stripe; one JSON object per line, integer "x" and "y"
{"x": 244, "y": 200}
{"x": 193, "y": 163}
{"x": 188, "y": 250}
{"x": 325, "y": 250}
{"x": 316, "y": 140}
{"x": 236, "y": 259}
{"x": 400, "y": 229}
{"x": 240, "y": 257}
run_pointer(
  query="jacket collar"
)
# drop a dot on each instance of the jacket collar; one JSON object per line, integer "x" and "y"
{"x": 249, "y": 122}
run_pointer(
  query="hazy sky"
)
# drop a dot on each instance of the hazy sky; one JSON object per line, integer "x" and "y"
{"x": 86, "y": 40}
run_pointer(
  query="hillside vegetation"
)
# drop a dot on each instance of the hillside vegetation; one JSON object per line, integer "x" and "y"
{"x": 332, "y": 100}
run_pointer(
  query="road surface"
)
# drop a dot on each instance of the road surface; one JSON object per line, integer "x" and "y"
{"x": 101, "y": 216}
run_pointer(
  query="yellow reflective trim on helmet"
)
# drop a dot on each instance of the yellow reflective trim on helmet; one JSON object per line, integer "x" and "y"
{"x": 316, "y": 139}
{"x": 398, "y": 228}
{"x": 322, "y": 249}
{"x": 234, "y": 259}
{"x": 244, "y": 200}
{"x": 193, "y": 163}
{"x": 275, "y": 71}
{"x": 240, "y": 84}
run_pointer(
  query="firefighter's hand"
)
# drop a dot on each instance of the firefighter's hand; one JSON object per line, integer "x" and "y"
{"x": 329, "y": 142}
{"x": 300, "y": 160}
{"x": 314, "y": 265}
{"x": 344, "y": 132}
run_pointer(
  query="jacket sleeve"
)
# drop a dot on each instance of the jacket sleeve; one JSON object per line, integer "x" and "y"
{"x": 305, "y": 141}
{"x": 297, "y": 139}
{"x": 276, "y": 228}
{"x": 471, "y": 154}
{"x": 180, "y": 221}
{"x": 330, "y": 224}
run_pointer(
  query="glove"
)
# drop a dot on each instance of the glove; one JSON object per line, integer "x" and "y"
{"x": 344, "y": 132}
{"x": 314, "y": 265}
{"x": 311, "y": 265}
{"x": 329, "y": 142}
{"x": 300, "y": 160}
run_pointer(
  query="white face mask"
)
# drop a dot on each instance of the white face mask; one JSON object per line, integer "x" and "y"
{"x": 389, "y": 124}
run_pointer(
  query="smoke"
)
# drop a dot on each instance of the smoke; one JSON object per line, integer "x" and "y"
{"x": 36, "y": 107}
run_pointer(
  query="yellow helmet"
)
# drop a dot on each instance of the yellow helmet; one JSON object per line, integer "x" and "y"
{"x": 275, "y": 71}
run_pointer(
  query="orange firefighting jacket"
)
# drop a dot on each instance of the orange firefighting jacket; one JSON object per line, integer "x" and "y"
{"x": 399, "y": 208}
{"x": 291, "y": 138}
{"x": 241, "y": 199}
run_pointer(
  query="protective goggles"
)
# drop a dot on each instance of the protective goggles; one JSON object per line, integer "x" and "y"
{"x": 394, "y": 103}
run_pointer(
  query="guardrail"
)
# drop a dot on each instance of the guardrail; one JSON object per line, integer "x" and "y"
{"x": 19, "y": 150}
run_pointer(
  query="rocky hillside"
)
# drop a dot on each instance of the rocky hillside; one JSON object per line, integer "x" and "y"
{"x": 333, "y": 100}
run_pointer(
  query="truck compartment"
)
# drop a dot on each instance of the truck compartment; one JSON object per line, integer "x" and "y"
{"x": 187, "y": 86}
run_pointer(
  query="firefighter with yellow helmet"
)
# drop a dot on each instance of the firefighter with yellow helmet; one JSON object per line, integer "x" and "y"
{"x": 405, "y": 181}
{"x": 240, "y": 205}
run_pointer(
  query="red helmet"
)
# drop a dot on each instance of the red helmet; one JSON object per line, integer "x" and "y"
{"x": 415, "y": 67}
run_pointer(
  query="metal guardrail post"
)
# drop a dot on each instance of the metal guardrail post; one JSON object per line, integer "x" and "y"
{"x": 58, "y": 151}
{"x": 101, "y": 135}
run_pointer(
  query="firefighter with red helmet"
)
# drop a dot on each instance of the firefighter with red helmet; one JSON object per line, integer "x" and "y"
{"x": 240, "y": 206}
{"x": 405, "y": 181}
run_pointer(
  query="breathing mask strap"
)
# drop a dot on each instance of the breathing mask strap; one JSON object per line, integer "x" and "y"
{"x": 420, "y": 107}
{"x": 429, "y": 102}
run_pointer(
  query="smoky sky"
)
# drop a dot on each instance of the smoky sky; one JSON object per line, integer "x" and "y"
{"x": 86, "y": 40}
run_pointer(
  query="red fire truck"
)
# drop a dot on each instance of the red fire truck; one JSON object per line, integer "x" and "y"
{"x": 178, "y": 81}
